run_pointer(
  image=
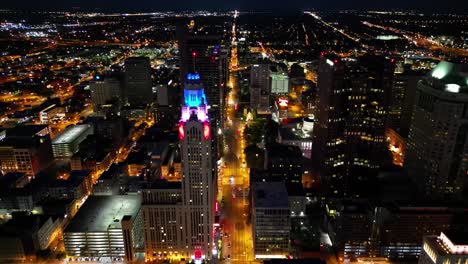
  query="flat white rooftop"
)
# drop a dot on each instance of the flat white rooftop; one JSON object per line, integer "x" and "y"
{"x": 101, "y": 213}
{"x": 70, "y": 134}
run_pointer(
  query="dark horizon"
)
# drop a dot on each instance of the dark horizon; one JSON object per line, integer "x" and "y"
{"x": 430, "y": 6}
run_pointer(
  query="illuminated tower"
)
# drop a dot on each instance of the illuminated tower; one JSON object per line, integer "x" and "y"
{"x": 178, "y": 216}
{"x": 198, "y": 183}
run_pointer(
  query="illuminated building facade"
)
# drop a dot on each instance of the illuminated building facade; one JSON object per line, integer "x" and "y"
{"x": 26, "y": 149}
{"x": 437, "y": 146}
{"x": 206, "y": 54}
{"x": 444, "y": 249}
{"x": 185, "y": 213}
{"x": 198, "y": 183}
{"x": 67, "y": 143}
{"x": 358, "y": 228}
{"x": 279, "y": 82}
{"x": 51, "y": 113}
{"x": 106, "y": 229}
{"x": 402, "y": 100}
{"x": 349, "y": 133}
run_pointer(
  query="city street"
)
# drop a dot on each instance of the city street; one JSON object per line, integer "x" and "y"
{"x": 234, "y": 179}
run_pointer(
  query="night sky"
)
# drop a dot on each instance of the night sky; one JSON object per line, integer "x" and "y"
{"x": 459, "y": 6}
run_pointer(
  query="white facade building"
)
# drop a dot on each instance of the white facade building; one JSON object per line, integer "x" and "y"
{"x": 67, "y": 143}
{"x": 106, "y": 228}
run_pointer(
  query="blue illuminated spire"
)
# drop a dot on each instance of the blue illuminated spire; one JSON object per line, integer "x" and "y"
{"x": 193, "y": 76}
{"x": 194, "y": 99}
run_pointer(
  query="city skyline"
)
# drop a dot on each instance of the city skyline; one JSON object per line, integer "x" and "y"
{"x": 233, "y": 137}
{"x": 243, "y": 5}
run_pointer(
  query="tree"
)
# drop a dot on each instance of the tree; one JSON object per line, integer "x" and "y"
{"x": 297, "y": 71}
{"x": 44, "y": 254}
{"x": 271, "y": 131}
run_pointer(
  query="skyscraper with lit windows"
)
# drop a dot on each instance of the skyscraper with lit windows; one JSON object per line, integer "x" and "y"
{"x": 349, "y": 135}
{"x": 179, "y": 217}
{"x": 203, "y": 51}
{"x": 198, "y": 183}
{"x": 437, "y": 151}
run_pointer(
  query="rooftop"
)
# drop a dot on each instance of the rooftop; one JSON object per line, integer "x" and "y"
{"x": 111, "y": 172}
{"x": 270, "y": 195}
{"x": 451, "y": 77}
{"x": 25, "y": 131}
{"x": 449, "y": 244}
{"x": 284, "y": 151}
{"x": 70, "y": 134}
{"x": 25, "y": 222}
{"x": 99, "y": 213}
{"x": 162, "y": 184}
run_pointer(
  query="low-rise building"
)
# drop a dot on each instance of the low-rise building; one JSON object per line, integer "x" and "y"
{"x": 77, "y": 186}
{"x": 108, "y": 183}
{"x": 106, "y": 228}
{"x": 445, "y": 249}
{"x": 24, "y": 235}
{"x": 299, "y": 134}
{"x": 26, "y": 149}
{"x": 51, "y": 113}
{"x": 67, "y": 143}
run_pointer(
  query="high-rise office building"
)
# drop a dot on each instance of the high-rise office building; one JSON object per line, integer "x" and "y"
{"x": 205, "y": 53}
{"x": 284, "y": 163}
{"x": 401, "y": 106}
{"x": 167, "y": 100}
{"x": 260, "y": 87}
{"x": 102, "y": 92}
{"x": 190, "y": 205}
{"x": 138, "y": 84}
{"x": 198, "y": 184}
{"x": 359, "y": 228}
{"x": 349, "y": 135}
{"x": 437, "y": 151}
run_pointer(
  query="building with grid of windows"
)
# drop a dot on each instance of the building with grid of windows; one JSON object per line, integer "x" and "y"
{"x": 349, "y": 133}
{"x": 437, "y": 147}
{"x": 26, "y": 149}
{"x": 271, "y": 223}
